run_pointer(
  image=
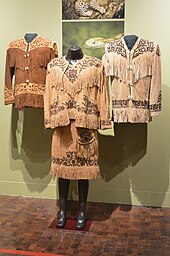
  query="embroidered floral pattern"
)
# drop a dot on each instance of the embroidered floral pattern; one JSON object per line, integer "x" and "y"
{"x": 158, "y": 51}
{"x": 143, "y": 46}
{"x": 42, "y": 42}
{"x": 30, "y": 88}
{"x": 71, "y": 104}
{"x": 120, "y": 103}
{"x": 60, "y": 62}
{"x": 157, "y": 106}
{"x": 19, "y": 43}
{"x": 8, "y": 96}
{"x": 135, "y": 103}
{"x": 140, "y": 103}
{"x": 55, "y": 108}
{"x": 72, "y": 160}
{"x": 37, "y": 42}
{"x": 89, "y": 107}
{"x": 72, "y": 72}
{"x": 46, "y": 122}
{"x": 117, "y": 47}
{"x": 89, "y": 62}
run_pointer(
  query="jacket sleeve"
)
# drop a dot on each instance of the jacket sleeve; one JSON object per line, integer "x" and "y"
{"x": 104, "y": 101}
{"x": 155, "y": 89}
{"x": 9, "y": 72}
{"x": 55, "y": 49}
{"x": 108, "y": 62}
{"x": 47, "y": 99}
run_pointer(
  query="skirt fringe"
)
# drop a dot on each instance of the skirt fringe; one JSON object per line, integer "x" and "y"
{"x": 75, "y": 153}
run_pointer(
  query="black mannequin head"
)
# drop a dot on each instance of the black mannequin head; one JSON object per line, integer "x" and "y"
{"x": 74, "y": 53}
{"x": 130, "y": 40}
{"x": 29, "y": 37}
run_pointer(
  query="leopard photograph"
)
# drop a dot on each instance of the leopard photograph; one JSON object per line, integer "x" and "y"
{"x": 93, "y": 9}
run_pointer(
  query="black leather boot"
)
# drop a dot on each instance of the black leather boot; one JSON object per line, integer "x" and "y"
{"x": 83, "y": 186}
{"x": 63, "y": 185}
{"x": 61, "y": 219}
{"x": 81, "y": 220}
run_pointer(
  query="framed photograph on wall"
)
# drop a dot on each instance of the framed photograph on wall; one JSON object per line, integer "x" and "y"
{"x": 91, "y": 36}
{"x": 91, "y": 24}
{"x": 93, "y": 9}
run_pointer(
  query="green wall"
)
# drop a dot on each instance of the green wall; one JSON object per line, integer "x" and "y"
{"x": 135, "y": 165}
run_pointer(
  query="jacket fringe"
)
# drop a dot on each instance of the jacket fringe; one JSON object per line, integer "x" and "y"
{"x": 141, "y": 68}
{"x": 74, "y": 173}
{"x": 131, "y": 115}
{"x": 60, "y": 82}
{"x": 63, "y": 119}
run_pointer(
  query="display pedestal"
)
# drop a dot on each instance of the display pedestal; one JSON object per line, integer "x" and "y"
{"x": 71, "y": 225}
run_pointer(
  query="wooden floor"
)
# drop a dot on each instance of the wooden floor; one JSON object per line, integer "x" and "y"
{"x": 115, "y": 229}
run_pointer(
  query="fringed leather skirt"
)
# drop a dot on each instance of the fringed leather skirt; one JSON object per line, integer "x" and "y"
{"x": 75, "y": 153}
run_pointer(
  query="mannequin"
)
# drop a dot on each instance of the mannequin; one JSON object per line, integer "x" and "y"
{"x": 29, "y": 37}
{"x": 130, "y": 41}
{"x": 74, "y": 53}
{"x": 83, "y": 186}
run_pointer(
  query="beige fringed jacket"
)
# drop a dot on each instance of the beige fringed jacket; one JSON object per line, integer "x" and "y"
{"x": 78, "y": 92}
{"x": 136, "y": 80}
{"x": 28, "y": 62}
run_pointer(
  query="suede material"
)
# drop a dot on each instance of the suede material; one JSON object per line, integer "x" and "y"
{"x": 136, "y": 79}
{"x": 28, "y": 62}
{"x": 78, "y": 92}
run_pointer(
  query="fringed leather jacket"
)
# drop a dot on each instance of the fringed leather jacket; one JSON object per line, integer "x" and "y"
{"x": 79, "y": 92}
{"x": 28, "y": 62}
{"x": 136, "y": 80}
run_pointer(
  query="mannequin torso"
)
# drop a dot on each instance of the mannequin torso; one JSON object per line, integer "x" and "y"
{"x": 29, "y": 37}
{"x": 130, "y": 41}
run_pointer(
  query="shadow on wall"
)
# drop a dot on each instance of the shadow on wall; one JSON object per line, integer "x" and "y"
{"x": 125, "y": 149}
{"x": 147, "y": 179}
{"x": 31, "y": 147}
{"x": 153, "y": 177}
{"x": 117, "y": 153}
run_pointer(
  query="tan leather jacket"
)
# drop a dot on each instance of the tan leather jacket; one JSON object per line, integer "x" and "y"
{"x": 28, "y": 62}
{"x": 136, "y": 80}
{"x": 78, "y": 92}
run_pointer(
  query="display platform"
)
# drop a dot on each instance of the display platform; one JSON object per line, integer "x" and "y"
{"x": 71, "y": 225}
